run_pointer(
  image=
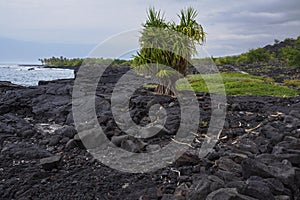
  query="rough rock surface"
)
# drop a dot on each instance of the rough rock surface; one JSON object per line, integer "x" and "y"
{"x": 42, "y": 156}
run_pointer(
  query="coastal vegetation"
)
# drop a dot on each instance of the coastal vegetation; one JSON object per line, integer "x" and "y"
{"x": 238, "y": 84}
{"x": 274, "y": 68}
{"x": 282, "y": 53}
{"x": 286, "y": 52}
{"x": 167, "y": 47}
{"x": 76, "y": 62}
{"x": 61, "y": 61}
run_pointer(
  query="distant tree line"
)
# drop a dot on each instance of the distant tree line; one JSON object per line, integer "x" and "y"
{"x": 61, "y": 61}
{"x": 75, "y": 62}
{"x": 286, "y": 52}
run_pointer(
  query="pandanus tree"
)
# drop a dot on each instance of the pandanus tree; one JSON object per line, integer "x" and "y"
{"x": 167, "y": 47}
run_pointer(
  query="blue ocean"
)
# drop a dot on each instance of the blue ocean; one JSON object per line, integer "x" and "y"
{"x": 31, "y": 75}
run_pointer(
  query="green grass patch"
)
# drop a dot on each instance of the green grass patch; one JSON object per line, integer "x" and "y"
{"x": 236, "y": 84}
{"x": 293, "y": 83}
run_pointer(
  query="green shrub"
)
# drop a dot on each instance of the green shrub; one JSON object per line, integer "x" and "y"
{"x": 290, "y": 55}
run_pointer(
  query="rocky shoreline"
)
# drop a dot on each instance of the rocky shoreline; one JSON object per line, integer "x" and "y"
{"x": 42, "y": 156}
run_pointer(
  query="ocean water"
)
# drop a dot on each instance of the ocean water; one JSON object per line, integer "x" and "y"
{"x": 31, "y": 75}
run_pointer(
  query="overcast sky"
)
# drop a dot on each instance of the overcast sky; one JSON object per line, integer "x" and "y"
{"x": 31, "y": 29}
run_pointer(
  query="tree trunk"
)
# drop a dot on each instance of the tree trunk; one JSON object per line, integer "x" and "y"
{"x": 168, "y": 88}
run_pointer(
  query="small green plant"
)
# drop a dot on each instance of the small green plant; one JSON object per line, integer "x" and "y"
{"x": 204, "y": 124}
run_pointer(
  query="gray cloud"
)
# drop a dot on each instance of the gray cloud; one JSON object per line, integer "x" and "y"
{"x": 232, "y": 26}
{"x": 252, "y": 24}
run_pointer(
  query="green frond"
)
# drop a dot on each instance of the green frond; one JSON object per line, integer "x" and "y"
{"x": 164, "y": 73}
{"x": 155, "y": 19}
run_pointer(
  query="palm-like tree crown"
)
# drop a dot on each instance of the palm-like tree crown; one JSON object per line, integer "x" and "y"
{"x": 168, "y": 44}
